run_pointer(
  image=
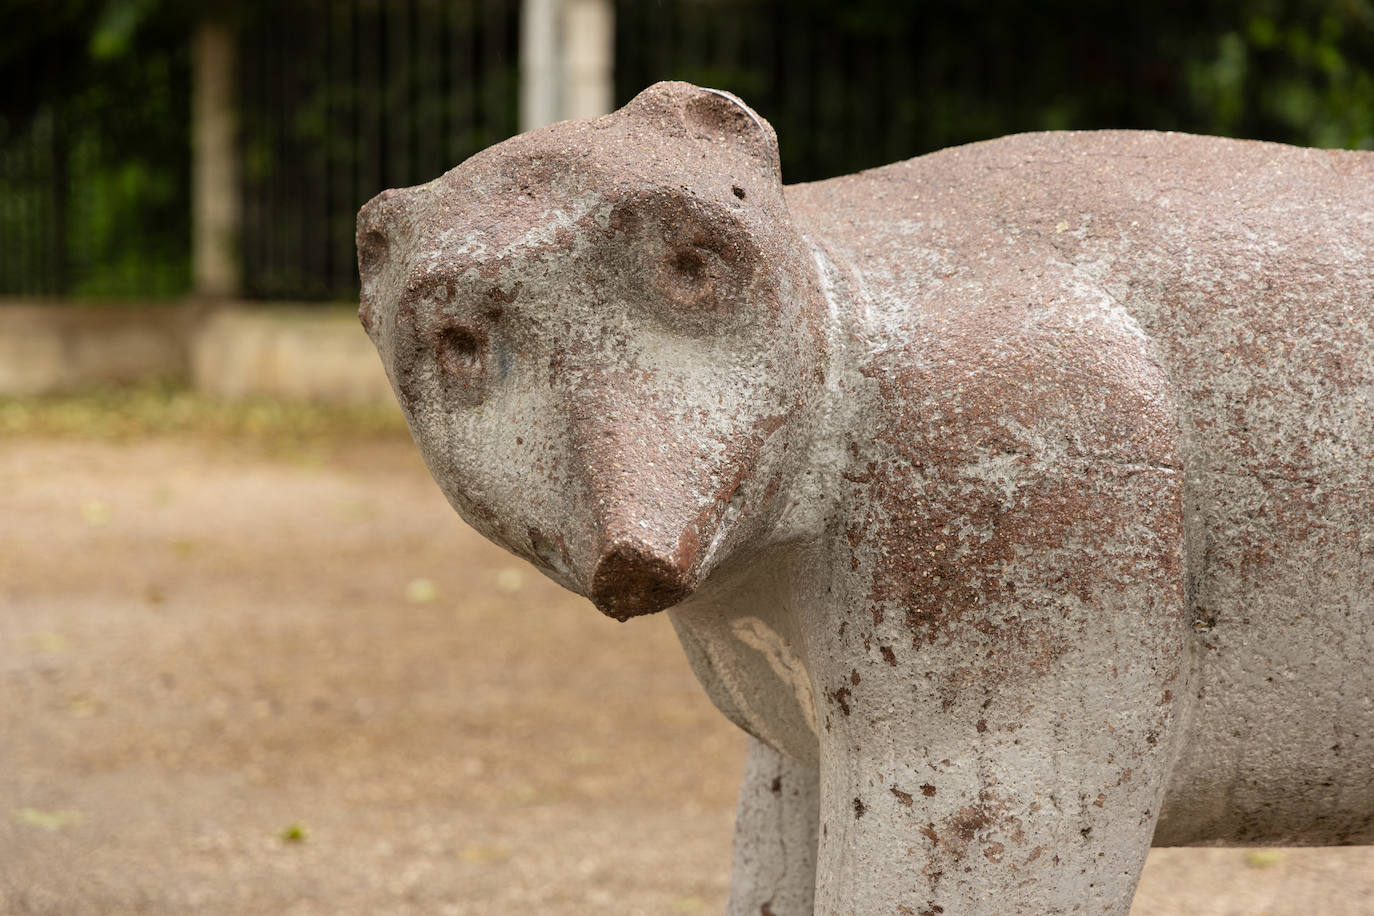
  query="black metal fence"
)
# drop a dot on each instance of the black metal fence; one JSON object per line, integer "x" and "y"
{"x": 338, "y": 99}
{"x": 860, "y": 83}
{"x": 341, "y": 98}
{"x": 94, "y": 161}
{"x": 35, "y": 254}
{"x": 837, "y": 93}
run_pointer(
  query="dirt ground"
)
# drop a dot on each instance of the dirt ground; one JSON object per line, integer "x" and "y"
{"x": 240, "y": 681}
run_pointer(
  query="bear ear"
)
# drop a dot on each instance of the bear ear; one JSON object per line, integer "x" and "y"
{"x": 375, "y": 221}
{"x": 374, "y": 233}
{"x": 373, "y": 248}
{"x": 713, "y": 115}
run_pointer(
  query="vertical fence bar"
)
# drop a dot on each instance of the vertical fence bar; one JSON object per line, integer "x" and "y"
{"x": 327, "y": 161}
{"x": 7, "y": 224}
{"x": 439, "y": 110}
{"x": 312, "y": 88}
{"x": 394, "y": 86}
{"x": 460, "y": 98}
{"x": 340, "y": 226}
{"x": 429, "y": 90}
{"x": 59, "y": 152}
{"x": 272, "y": 225}
{"x": 33, "y": 266}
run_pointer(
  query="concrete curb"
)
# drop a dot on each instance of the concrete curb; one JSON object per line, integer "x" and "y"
{"x": 304, "y": 353}
{"x": 232, "y": 350}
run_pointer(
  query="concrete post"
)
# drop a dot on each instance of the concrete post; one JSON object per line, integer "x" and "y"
{"x": 215, "y": 210}
{"x": 566, "y": 60}
{"x": 540, "y": 64}
{"x": 588, "y": 55}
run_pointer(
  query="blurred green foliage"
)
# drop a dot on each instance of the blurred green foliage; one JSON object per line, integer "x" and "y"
{"x": 857, "y": 84}
{"x": 1303, "y": 74}
{"x": 374, "y": 94}
{"x": 341, "y": 98}
{"x": 94, "y": 147}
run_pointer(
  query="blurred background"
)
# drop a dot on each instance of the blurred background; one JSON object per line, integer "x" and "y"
{"x": 249, "y": 660}
{"x": 319, "y": 104}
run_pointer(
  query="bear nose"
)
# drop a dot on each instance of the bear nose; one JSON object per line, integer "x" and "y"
{"x": 631, "y": 579}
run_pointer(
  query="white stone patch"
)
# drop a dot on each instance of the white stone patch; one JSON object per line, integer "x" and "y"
{"x": 757, "y": 635}
{"x": 546, "y": 233}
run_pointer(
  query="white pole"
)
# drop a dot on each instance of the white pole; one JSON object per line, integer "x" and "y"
{"x": 589, "y": 55}
{"x": 540, "y": 64}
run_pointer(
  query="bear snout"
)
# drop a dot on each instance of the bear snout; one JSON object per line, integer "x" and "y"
{"x": 631, "y": 580}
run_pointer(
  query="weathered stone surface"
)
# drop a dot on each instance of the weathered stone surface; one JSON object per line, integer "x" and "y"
{"x": 1018, "y": 496}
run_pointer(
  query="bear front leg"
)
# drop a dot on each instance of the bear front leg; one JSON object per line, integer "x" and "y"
{"x": 774, "y": 869}
{"x": 997, "y": 727}
{"x": 956, "y": 824}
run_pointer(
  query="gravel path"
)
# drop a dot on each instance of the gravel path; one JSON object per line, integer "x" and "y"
{"x": 238, "y": 683}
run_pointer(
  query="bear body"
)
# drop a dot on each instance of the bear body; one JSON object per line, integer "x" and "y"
{"x": 1018, "y": 499}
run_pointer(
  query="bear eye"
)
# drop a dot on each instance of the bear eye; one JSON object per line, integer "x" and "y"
{"x": 688, "y": 278}
{"x": 691, "y": 267}
{"x": 462, "y": 351}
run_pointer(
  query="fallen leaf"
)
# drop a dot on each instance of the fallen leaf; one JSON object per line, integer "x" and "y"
{"x": 479, "y": 854}
{"x": 96, "y": 513}
{"x": 510, "y": 580}
{"x": 1263, "y": 858}
{"x": 48, "y": 820}
{"x": 51, "y": 642}
{"x": 421, "y": 591}
{"x": 294, "y": 833}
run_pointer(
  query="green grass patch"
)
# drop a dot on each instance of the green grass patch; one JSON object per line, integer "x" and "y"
{"x": 135, "y": 412}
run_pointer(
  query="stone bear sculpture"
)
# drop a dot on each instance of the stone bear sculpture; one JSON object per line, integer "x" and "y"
{"x": 1017, "y": 499}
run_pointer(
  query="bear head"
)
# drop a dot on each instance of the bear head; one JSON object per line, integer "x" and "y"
{"x": 604, "y": 336}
